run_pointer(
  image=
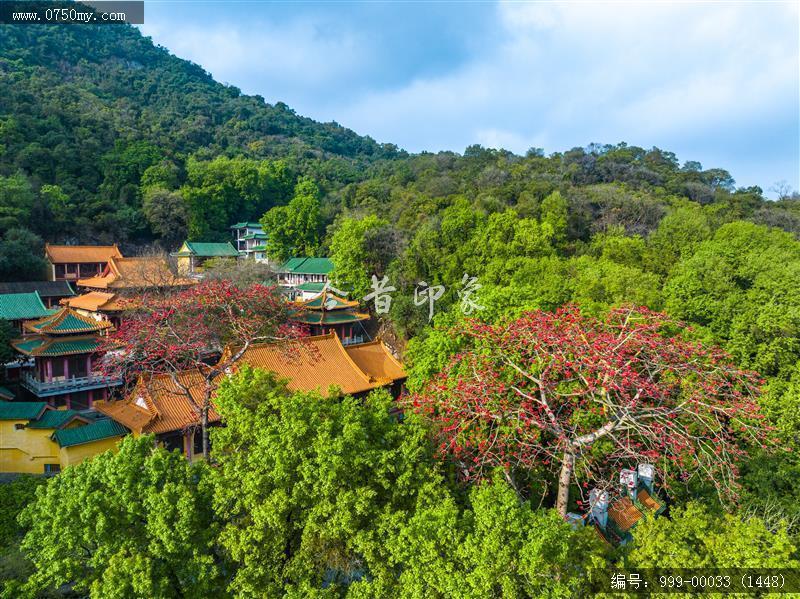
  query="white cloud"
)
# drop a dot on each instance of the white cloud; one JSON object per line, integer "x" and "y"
{"x": 680, "y": 75}
{"x": 300, "y": 53}
{"x": 571, "y": 73}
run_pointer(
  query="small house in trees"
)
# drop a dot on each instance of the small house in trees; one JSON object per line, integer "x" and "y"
{"x": 50, "y": 292}
{"x": 250, "y": 240}
{"x": 308, "y": 291}
{"x": 133, "y": 274}
{"x": 615, "y": 519}
{"x": 73, "y": 262}
{"x": 297, "y": 271}
{"x": 64, "y": 351}
{"x": 329, "y": 313}
{"x": 16, "y": 308}
{"x": 37, "y": 439}
{"x": 193, "y": 254}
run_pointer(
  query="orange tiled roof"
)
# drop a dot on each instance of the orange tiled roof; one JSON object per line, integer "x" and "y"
{"x": 315, "y": 363}
{"x": 94, "y": 301}
{"x": 648, "y": 501}
{"x": 624, "y": 513}
{"x": 70, "y": 254}
{"x": 159, "y": 405}
{"x": 128, "y": 273}
{"x": 375, "y": 359}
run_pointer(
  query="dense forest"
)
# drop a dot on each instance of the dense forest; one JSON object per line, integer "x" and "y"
{"x": 107, "y": 138}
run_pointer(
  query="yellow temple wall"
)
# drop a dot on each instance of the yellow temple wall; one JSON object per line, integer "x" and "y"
{"x": 26, "y": 450}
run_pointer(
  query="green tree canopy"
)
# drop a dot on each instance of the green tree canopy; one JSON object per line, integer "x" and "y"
{"x": 743, "y": 286}
{"x": 135, "y": 523}
{"x": 360, "y": 248}
{"x": 293, "y": 230}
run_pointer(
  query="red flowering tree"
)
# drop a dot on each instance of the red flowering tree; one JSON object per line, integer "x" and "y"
{"x": 189, "y": 330}
{"x": 587, "y": 395}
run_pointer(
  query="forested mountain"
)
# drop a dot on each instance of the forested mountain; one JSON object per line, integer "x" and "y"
{"x": 96, "y": 120}
{"x": 89, "y": 109}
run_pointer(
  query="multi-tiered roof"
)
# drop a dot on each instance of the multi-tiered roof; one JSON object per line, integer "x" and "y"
{"x": 61, "y": 334}
{"x": 327, "y": 309}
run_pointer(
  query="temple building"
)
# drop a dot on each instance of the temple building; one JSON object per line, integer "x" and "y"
{"x": 134, "y": 274}
{"x": 73, "y": 262}
{"x": 64, "y": 351}
{"x": 99, "y": 305}
{"x": 326, "y": 313}
{"x": 50, "y": 292}
{"x": 37, "y": 439}
{"x": 160, "y": 406}
{"x": 193, "y": 254}
{"x": 296, "y": 271}
{"x": 16, "y": 308}
{"x": 250, "y": 240}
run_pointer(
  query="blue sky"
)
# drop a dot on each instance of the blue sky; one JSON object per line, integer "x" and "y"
{"x": 716, "y": 82}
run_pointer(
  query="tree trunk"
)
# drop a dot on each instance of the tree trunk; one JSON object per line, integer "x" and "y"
{"x": 564, "y": 480}
{"x": 204, "y": 424}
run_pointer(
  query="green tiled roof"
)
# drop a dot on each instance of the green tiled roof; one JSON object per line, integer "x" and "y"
{"x": 259, "y": 248}
{"x": 243, "y": 225}
{"x": 68, "y": 323}
{"x": 209, "y": 249}
{"x": 6, "y": 393}
{"x": 255, "y": 236}
{"x": 331, "y": 302}
{"x": 22, "y": 306}
{"x": 21, "y": 410}
{"x": 44, "y": 346}
{"x": 319, "y": 318}
{"x": 96, "y": 431}
{"x": 308, "y": 266}
{"x": 312, "y": 287}
{"x": 54, "y": 419}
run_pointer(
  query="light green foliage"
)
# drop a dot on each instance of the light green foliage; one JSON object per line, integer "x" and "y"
{"x": 293, "y": 229}
{"x": 357, "y": 253}
{"x": 677, "y": 236}
{"x": 554, "y": 212}
{"x": 506, "y": 236}
{"x": 223, "y": 191}
{"x": 744, "y": 286}
{"x": 601, "y": 284}
{"x": 136, "y": 523}
{"x": 697, "y": 538}
{"x": 16, "y": 201}
{"x": 312, "y": 488}
{"x": 15, "y": 496}
{"x": 615, "y": 246}
{"x": 14, "y": 568}
{"x": 495, "y": 547}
